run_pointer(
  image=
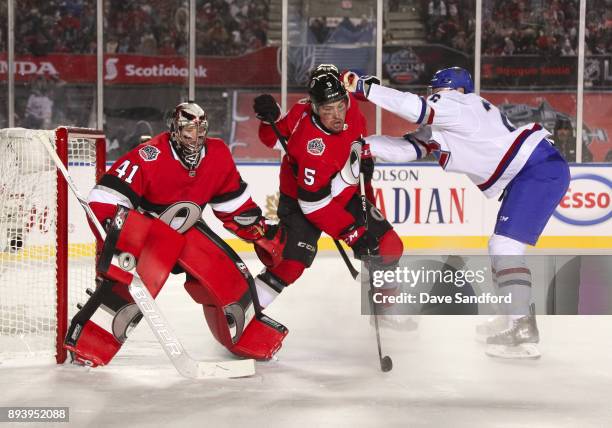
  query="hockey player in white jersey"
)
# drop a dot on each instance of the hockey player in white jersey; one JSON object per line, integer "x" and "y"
{"x": 469, "y": 135}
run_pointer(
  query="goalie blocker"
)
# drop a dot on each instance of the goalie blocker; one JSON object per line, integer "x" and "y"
{"x": 216, "y": 278}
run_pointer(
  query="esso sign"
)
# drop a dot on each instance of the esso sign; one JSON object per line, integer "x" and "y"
{"x": 588, "y": 201}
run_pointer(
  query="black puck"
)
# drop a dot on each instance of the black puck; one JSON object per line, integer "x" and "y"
{"x": 386, "y": 364}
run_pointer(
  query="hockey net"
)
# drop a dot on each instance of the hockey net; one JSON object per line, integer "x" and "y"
{"x": 47, "y": 251}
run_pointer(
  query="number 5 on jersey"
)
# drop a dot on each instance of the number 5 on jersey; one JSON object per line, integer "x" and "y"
{"x": 123, "y": 169}
{"x": 309, "y": 178}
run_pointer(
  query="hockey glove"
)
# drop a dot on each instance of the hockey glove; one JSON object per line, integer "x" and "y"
{"x": 358, "y": 85}
{"x": 361, "y": 241}
{"x": 266, "y": 108}
{"x": 270, "y": 248}
{"x": 269, "y": 240}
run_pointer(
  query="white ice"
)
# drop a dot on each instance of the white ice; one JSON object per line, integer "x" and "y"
{"x": 327, "y": 372}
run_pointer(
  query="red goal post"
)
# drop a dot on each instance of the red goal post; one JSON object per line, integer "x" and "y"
{"x": 47, "y": 252}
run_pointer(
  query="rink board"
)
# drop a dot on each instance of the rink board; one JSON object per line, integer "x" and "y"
{"x": 432, "y": 209}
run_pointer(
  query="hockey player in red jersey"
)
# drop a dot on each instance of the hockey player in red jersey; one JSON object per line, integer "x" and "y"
{"x": 319, "y": 182}
{"x": 268, "y": 111}
{"x": 159, "y": 190}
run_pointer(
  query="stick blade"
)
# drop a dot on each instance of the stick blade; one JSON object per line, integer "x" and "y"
{"x": 225, "y": 369}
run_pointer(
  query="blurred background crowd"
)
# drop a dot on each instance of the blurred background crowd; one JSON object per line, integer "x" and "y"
{"x": 419, "y": 36}
{"x": 234, "y": 27}
{"x": 152, "y": 27}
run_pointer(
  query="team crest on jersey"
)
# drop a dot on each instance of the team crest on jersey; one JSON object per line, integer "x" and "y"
{"x": 316, "y": 147}
{"x": 149, "y": 153}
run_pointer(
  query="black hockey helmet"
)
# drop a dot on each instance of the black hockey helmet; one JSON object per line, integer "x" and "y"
{"x": 323, "y": 69}
{"x": 326, "y": 88}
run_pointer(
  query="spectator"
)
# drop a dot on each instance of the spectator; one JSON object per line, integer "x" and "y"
{"x": 319, "y": 30}
{"x": 148, "y": 45}
{"x": 508, "y": 46}
{"x": 566, "y": 49}
{"x": 167, "y": 47}
{"x": 565, "y": 141}
{"x": 39, "y": 107}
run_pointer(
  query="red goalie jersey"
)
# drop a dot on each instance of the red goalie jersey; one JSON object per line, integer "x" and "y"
{"x": 321, "y": 169}
{"x": 153, "y": 179}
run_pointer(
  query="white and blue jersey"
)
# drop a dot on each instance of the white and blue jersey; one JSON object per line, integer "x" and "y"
{"x": 469, "y": 135}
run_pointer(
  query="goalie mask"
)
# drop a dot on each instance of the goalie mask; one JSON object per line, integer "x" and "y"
{"x": 188, "y": 130}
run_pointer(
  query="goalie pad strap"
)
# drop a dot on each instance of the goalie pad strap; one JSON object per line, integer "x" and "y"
{"x": 99, "y": 329}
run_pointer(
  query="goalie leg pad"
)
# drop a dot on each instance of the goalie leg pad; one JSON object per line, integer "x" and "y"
{"x": 235, "y": 328}
{"x": 262, "y": 339}
{"x": 222, "y": 284}
{"x": 137, "y": 241}
{"x": 99, "y": 329}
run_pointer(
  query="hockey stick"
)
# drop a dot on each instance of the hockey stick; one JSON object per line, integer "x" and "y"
{"x": 386, "y": 364}
{"x": 354, "y": 272}
{"x": 160, "y": 327}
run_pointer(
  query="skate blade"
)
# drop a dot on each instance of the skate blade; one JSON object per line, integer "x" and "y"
{"x": 525, "y": 351}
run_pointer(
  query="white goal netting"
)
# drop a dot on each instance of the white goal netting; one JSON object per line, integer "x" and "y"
{"x": 28, "y": 238}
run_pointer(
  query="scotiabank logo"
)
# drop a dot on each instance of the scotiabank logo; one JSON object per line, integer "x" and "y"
{"x": 587, "y": 201}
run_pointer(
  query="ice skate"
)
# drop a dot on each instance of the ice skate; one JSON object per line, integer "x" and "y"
{"x": 491, "y": 326}
{"x": 518, "y": 341}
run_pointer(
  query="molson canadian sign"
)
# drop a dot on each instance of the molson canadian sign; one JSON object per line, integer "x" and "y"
{"x": 406, "y": 197}
{"x": 422, "y": 200}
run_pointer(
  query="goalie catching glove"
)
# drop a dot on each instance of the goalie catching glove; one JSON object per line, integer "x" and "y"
{"x": 269, "y": 239}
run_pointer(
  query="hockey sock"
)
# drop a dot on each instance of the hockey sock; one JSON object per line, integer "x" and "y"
{"x": 268, "y": 286}
{"x": 511, "y": 274}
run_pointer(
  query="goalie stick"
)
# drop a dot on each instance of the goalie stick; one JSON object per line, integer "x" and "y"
{"x": 354, "y": 272}
{"x": 160, "y": 327}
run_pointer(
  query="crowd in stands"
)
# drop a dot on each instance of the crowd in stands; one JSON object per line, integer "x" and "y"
{"x": 520, "y": 27}
{"x": 450, "y": 23}
{"x": 234, "y": 27}
{"x": 340, "y": 30}
{"x": 55, "y": 26}
{"x": 147, "y": 27}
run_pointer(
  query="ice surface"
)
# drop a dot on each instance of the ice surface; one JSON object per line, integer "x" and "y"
{"x": 327, "y": 373}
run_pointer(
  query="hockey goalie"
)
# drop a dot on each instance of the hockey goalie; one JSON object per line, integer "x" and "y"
{"x": 150, "y": 203}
